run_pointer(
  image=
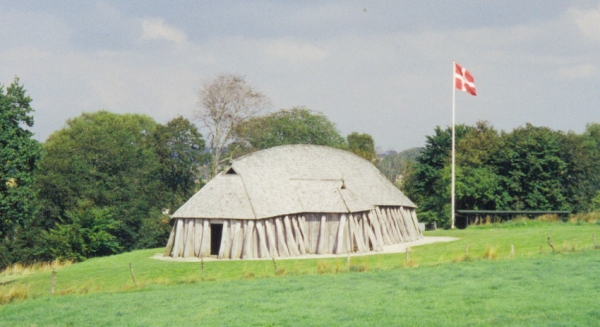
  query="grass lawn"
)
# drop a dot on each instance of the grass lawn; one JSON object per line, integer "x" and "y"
{"x": 441, "y": 286}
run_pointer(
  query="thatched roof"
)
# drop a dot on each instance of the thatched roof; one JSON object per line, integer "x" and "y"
{"x": 293, "y": 179}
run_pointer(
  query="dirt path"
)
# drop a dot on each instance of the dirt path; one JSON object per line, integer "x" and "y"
{"x": 395, "y": 248}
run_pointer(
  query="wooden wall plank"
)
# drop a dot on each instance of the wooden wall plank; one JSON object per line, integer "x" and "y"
{"x": 235, "y": 240}
{"x": 188, "y": 251}
{"x": 225, "y": 240}
{"x": 281, "y": 243}
{"x": 323, "y": 237}
{"x": 341, "y": 237}
{"x": 248, "y": 248}
{"x": 205, "y": 247}
{"x": 197, "y": 236}
{"x": 178, "y": 247}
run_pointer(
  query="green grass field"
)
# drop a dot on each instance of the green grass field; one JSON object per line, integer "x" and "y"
{"x": 440, "y": 286}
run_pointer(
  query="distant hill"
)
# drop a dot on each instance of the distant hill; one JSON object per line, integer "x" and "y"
{"x": 396, "y": 165}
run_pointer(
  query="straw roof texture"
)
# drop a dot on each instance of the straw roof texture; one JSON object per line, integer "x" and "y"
{"x": 293, "y": 179}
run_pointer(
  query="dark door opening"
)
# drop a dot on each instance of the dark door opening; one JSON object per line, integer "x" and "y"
{"x": 216, "y": 233}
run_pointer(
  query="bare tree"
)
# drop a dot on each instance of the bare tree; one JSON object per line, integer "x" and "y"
{"x": 225, "y": 102}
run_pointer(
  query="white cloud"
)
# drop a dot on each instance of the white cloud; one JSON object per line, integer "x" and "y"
{"x": 154, "y": 28}
{"x": 588, "y": 22}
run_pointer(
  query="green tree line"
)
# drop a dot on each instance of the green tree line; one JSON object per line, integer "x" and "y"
{"x": 528, "y": 168}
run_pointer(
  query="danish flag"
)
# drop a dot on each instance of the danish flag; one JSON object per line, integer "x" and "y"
{"x": 463, "y": 80}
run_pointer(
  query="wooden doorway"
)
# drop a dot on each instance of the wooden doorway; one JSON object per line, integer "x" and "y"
{"x": 216, "y": 233}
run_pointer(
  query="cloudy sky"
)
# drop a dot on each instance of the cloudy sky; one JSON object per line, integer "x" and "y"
{"x": 377, "y": 67}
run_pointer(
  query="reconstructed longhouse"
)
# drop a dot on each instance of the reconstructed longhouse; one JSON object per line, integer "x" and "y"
{"x": 290, "y": 201}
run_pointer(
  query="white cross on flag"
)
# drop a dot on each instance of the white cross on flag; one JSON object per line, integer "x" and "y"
{"x": 463, "y": 80}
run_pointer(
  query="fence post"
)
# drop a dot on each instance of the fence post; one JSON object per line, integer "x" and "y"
{"x": 53, "y": 281}
{"x": 407, "y": 255}
{"x": 467, "y": 250}
{"x": 550, "y": 243}
{"x": 512, "y": 250}
{"x": 275, "y": 266}
{"x": 132, "y": 275}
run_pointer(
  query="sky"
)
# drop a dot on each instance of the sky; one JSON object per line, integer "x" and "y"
{"x": 377, "y": 67}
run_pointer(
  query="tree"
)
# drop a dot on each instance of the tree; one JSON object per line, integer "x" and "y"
{"x": 19, "y": 154}
{"x": 298, "y": 125}
{"x": 362, "y": 145}
{"x": 99, "y": 168}
{"x": 478, "y": 185}
{"x": 533, "y": 168}
{"x": 180, "y": 150}
{"x": 225, "y": 103}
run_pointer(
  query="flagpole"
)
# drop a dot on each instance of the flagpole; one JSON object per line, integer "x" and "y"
{"x": 453, "y": 144}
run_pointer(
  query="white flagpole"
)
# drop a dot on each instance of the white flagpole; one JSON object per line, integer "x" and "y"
{"x": 453, "y": 143}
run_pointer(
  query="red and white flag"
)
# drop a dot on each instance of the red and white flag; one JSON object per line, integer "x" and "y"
{"x": 463, "y": 80}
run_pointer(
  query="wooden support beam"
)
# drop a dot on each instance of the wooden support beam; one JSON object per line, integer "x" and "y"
{"x": 289, "y": 236}
{"x": 170, "y": 243}
{"x": 298, "y": 235}
{"x": 376, "y": 229}
{"x": 304, "y": 231}
{"x": 384, "y": 231}
{"x": 413, "y": 215}
{"x": 281, "y": 243}
{"x": 272, "y": 244}
{"x": 398, "y": 218}
{"x": 357, "y": 234}
{"x": 406, "y": 217}
{"x": 263, "y": 250}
